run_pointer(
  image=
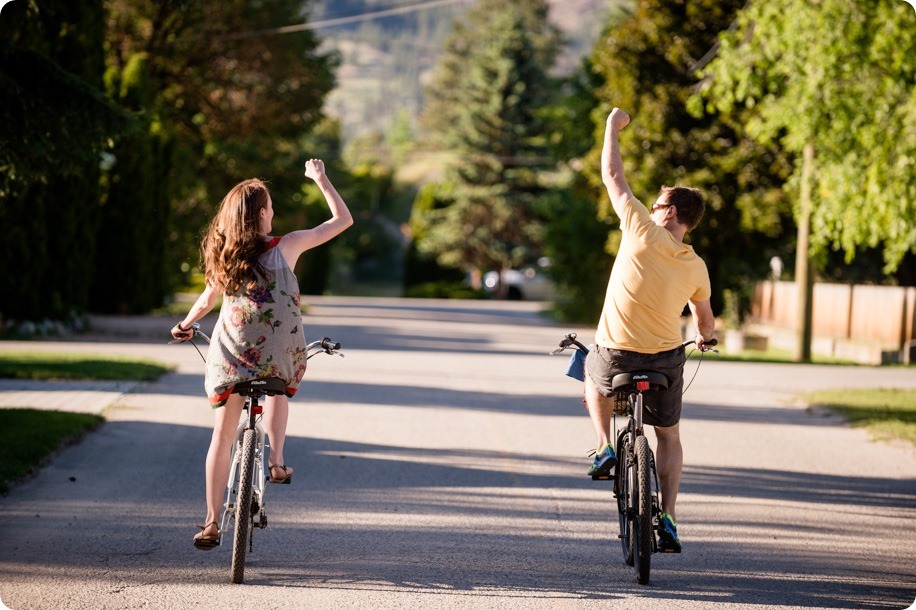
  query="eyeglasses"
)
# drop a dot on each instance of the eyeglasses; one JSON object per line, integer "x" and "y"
{"x": 658, "y": 206}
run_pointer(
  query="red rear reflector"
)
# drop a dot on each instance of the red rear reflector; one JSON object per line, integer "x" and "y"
{"x": 642, "y": 386}
{"x": 257, "y": 410}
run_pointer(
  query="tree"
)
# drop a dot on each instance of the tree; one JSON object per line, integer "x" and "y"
{"x": 574, "y": 237}
{"x": 840, "y": 77}
{"x": 466, "y": 38}
{"x": 228, "y": 100}
{"x": 50, "y": 154}
{"x": 647, "y": 62}
{"x": 829, "y": 81}
{"x": 485, "y": 101}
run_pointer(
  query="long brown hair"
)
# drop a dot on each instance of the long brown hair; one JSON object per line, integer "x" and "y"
{"x": 233, "y": 243}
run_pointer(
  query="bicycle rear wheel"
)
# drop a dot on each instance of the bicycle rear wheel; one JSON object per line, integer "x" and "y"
{"x": 643, "y": 520}
{"x": 243, "y": 506}
{"x": 624, "y": 490}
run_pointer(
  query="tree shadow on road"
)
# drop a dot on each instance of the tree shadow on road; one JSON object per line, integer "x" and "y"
{"x": 432, "y": 522}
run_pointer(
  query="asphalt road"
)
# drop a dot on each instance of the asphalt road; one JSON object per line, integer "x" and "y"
{"x": 441, "y": 465}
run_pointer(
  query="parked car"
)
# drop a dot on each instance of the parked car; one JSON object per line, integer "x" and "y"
{"x": 529, "y": 283}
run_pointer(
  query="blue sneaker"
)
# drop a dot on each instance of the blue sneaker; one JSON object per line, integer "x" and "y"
{"x": 605, "y": 460}
{"x": 667, "y": 535}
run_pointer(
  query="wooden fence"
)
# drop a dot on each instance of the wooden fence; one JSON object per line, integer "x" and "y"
{"x": 875, "y": 324}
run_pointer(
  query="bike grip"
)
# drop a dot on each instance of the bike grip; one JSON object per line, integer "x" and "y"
{"x": 712, "y": 343}
{"x": 326, "y": 343}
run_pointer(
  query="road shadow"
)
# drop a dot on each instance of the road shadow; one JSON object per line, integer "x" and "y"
{"x": 376, "y": 517}
{"x": 829, "y": 490}
{"x": 767, "y": 415}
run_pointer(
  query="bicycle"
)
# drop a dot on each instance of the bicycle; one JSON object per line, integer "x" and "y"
{"x": 245, "y": 506}
{"x": 635, "y": 478}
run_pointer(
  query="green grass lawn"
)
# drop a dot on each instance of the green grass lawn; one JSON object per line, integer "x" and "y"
{"x": 28, "y": 437}
{"x": 886, "y": 413}
{"x": 53, "y": 365}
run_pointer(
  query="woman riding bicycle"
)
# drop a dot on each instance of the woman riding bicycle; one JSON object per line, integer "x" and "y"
{"x": 655, "y": 274}
{"x": 259, "y": 331}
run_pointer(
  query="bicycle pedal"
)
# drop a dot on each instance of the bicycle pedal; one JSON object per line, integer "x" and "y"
{"x": 602, "y": 477}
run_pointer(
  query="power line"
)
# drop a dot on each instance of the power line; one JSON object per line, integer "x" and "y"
{"x": 327, "y": 23}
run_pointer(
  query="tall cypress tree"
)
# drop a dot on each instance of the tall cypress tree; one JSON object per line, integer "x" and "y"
{"x": 135, "y": 209}
{"x": 484, "y": 109}
{"x": 56, "y": 122}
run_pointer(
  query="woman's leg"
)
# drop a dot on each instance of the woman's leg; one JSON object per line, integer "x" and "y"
{"x": 276, "y": 416}
{"x": 218, "y": 459}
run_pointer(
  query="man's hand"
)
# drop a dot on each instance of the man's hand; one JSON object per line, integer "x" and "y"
{"x": 314, "y": 169}
{"x": 618, "y": 119}
{"x": 705, "y": 344}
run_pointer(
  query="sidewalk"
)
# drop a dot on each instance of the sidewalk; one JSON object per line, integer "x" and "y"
{"x": 74, "y": 396}
{"x": 86, "y": 396}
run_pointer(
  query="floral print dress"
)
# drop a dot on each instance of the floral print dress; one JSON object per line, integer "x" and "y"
{"x": 259, "y": 333}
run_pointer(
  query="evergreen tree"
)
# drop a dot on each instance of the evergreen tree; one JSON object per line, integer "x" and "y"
{"x": 575, "y": 237}
{"x": 490, "y": 86}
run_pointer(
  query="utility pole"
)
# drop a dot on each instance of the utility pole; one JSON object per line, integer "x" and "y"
{"x": 804, "y": 277}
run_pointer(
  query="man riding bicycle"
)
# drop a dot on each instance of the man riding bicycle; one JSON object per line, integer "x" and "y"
{"x": 654, "y": 276}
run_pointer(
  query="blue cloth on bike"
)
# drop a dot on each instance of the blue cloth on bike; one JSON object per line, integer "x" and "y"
{"x": 576, "y": 366}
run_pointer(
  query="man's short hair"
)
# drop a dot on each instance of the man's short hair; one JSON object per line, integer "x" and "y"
{"x": 688, "y": 202}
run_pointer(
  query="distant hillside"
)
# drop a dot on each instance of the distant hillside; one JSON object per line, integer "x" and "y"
{"x": 386, "y": 61}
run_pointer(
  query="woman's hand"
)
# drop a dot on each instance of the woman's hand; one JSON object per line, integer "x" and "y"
{"x": 314, "y": 169}
{"x": 182, "y": 334}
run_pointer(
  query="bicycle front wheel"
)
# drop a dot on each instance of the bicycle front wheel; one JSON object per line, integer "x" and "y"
{"x": 643, "y": 521}
{"x": 243, "y": 506}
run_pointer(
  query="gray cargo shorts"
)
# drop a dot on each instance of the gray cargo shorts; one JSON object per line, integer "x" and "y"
{"x": 660, "y": 408}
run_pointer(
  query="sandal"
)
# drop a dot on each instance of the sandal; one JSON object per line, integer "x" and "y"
{"x": 285, "y": 480}
{"x": 207, "y": 543}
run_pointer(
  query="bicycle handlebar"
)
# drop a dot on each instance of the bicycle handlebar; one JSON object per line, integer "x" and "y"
{"x": 323, "y": 346}
{"x": 570, "y": 341}
{"x": 706, "y": 347}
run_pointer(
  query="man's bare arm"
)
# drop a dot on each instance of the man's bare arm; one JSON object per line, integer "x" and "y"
{"x": 612, "y": 163}
{"x": 703, "y": 319}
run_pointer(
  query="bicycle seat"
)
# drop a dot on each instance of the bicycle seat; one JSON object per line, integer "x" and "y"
{"x": 627, "y": 382}
{"x": 271, "y": 386}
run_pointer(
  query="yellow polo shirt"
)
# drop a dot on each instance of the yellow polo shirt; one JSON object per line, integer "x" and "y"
{"x": 654, "y": 276}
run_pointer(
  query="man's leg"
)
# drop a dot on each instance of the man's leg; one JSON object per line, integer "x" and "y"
{"x": 600, "y": 409}
{"x": 669, "y": 461}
